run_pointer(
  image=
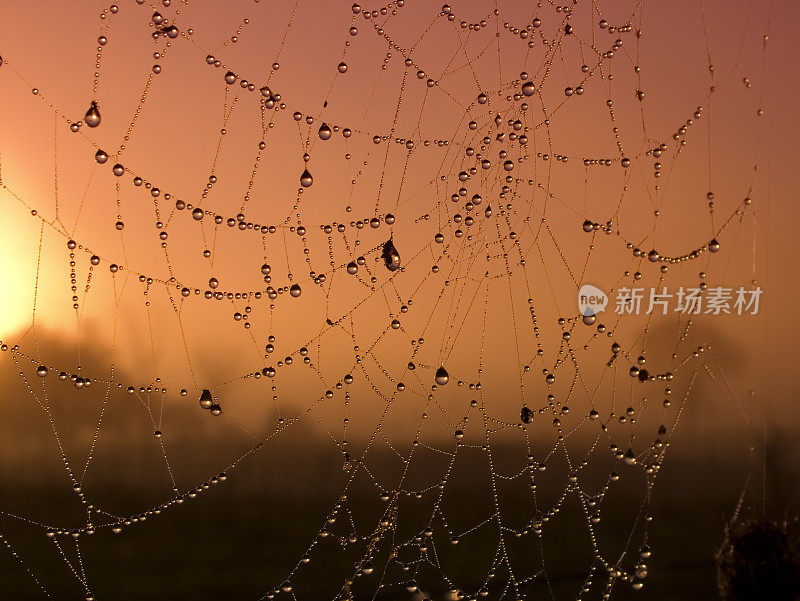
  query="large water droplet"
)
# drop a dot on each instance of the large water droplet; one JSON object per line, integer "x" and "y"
{"x": 324, "y": 132}
{"x": 92, "y": 117}
{"x": 441, "y": 376}
{"x": 390, "y": 256}
{"x": 295, "y": 290}
{"x": 206, "y": 400}
{"x": 528, "y": 89}
{"x": 629, "y": 457}
{"x": 306, "y": 180}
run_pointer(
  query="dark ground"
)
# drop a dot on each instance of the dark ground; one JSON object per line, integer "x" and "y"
{"x": 238, "y": 542}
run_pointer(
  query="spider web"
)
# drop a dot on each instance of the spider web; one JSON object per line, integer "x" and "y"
{"x": 315, "y": 251}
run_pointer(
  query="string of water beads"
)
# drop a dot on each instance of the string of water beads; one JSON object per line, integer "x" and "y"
{"x": 588, "y": 226}
{"x": 119, "y": 170}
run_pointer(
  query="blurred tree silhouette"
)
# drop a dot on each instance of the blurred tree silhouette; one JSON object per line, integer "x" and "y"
{"x": 759, "y": 561}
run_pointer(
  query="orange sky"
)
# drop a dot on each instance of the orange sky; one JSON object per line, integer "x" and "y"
{"x": 464, "y": 316}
